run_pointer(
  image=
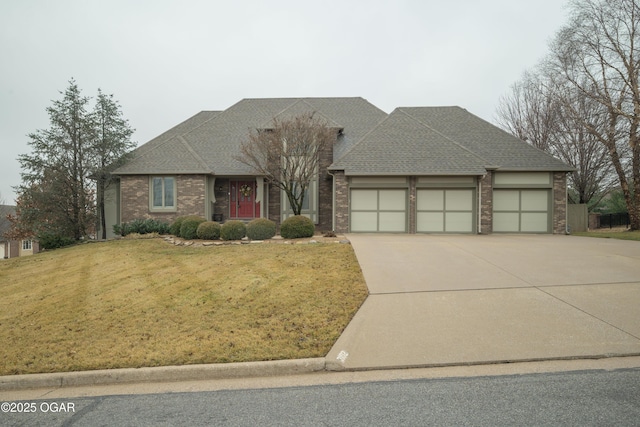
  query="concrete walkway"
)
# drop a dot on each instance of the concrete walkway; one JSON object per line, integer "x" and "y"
{"x": 448, "y": 300}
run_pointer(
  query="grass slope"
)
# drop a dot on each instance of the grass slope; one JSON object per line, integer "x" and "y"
{"x": 134, "y": 303}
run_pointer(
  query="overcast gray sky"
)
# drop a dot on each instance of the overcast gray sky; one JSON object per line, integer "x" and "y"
{"x": 165, "y": 60}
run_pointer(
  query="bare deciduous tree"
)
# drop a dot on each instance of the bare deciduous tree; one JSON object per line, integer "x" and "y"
{"x": 288, "y": 154}
{"x": 528, "y": 112}
{"x": 534, "y": 113}
{"x": 597, "y": 55}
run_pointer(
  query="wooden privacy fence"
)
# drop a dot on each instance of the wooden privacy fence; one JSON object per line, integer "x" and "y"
{"x": 577, "y": 217}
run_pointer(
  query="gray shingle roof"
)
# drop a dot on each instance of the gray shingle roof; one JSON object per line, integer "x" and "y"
{"x": 401, "y": 145}
{"x": 210, "y": 141}
{"x": 496, "y": 146}
{"x": 410, "y": 141}
{"x": 166, "y": 153}
{"x": 441, "y": 141}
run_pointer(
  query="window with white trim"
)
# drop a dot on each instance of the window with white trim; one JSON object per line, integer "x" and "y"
{"x": 163, "y": 193}
{"x": 27, "y": 245}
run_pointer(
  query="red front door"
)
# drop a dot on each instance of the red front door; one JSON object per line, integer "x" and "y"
{"x": 243, "y": 200}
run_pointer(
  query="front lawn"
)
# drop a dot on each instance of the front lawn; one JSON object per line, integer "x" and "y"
{"x": 611, "y": 234}
{"x": 134, "y": 303}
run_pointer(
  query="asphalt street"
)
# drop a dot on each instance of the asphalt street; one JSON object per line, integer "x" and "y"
{"x": 584, "y": 398}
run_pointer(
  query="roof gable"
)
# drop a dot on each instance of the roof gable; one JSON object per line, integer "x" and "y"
{"x": 167, "y": 153}
{"x": 497, "y": 146}
{"x": 299, "y": 108}
{"x": 210, "y": 141}
{"x": 402, "y": 145}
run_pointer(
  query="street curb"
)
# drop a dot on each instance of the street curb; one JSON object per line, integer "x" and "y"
{"x": 332, "y": 366}
{"x": 162, "y": 374}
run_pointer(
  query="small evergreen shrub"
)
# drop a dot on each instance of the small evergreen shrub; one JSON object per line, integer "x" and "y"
{"x": 141, "y": 226}
{"x": 208, "y": 230}
{"x": 175, "y": 226}
{"x": 233, "y": 230}
{"x": 261, "y": 229}
{"x": 189, "y": 227}
{"x": 297, "y": 226}
{"x": 54, "y": 240}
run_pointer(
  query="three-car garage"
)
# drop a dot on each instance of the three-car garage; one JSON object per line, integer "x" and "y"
{"x": 521, "y": 203}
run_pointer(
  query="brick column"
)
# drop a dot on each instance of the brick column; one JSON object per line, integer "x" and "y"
{"x": 412, "y": 205}
{"x": 486, "y": 200}
{"x": 342, "y": 202}
{"x": 559, "y": 203}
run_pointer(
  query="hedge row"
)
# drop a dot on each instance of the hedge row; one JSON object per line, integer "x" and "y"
{"x": 195, "y": 227}
{"x": 141, "y": 226}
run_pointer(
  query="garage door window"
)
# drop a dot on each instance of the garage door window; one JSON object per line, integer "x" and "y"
{"x": 378, "y": 210}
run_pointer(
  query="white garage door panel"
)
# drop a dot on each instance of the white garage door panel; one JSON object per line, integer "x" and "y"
{"x": 459, "y": 200}
{"x": 430, "y": 222}
{"x": 535, "y": 200}
{"x": 431, "y": 200}
{"x": 392, "y": 222}
{"x": 459, "y": 222}
{"x": 506, "y": 222}
{"x": 534, "y": 222}
{"x": 506, "y": 200}
{"x": 379, "y": 210}
{"x": 364, "y": 200}
{"x": 444, "y": 211}
{"x": 392, "y": 200}
{"x": 364, "y": 221}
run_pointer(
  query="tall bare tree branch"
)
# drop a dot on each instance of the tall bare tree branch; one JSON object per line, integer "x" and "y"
{"x": 288, "y": 154}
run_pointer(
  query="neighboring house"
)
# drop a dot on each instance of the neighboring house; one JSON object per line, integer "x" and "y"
{"x": 416, "y": 170}
{"x": 13, "y": 248}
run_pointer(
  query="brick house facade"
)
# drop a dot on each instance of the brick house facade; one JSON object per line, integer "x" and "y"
{"x": 416, "y": 170}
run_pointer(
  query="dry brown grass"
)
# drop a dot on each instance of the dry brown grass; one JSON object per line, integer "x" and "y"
{"x": 134, "y": 303}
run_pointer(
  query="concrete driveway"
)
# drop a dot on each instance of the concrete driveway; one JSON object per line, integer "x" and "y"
{"x": 443, "y": 300}
{"x": 418, "y": 263}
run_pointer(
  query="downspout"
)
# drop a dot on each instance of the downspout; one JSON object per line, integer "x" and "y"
{"x": 479, "y": 231}
{"x": 567, "y": 230}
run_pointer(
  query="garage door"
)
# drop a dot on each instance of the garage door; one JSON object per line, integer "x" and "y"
{"x": 521, "y": 211}
{"x": 379, "y": 210}
{"x": 444, "y": 210}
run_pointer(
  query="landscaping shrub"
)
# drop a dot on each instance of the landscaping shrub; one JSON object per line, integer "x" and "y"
{"x": 261, "y": 229}
{"x": 189, "y": 227}
{"x": 208, "y": 230}
{"x": 54, "y": 240}
{"x": 175, "y": 226}
{"x": 141, "y": 226}
{"x": 233, "y": 230}
{"x": 297, "y": 226}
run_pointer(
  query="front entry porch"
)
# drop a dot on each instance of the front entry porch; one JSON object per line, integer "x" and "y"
{"x": 243, "y": 203}
{"x": 237, "y": 199}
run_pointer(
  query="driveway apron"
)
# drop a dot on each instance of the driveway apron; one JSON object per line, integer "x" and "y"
{"x": 461, "y": 299}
